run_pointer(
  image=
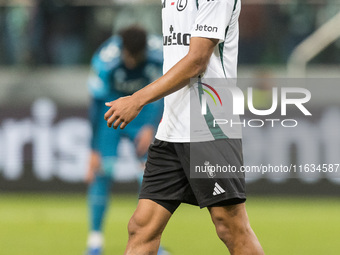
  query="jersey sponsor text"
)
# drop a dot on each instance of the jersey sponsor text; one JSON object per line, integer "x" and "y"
{"x": 206, "y": 28}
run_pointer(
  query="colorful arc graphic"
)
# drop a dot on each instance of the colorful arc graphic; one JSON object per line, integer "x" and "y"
{"x": 210, "y": 94}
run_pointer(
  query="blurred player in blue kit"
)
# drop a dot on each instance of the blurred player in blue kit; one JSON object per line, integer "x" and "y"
{"x": 124, "y": 64}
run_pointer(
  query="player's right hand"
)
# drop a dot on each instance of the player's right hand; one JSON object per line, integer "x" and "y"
{"x": 122, "y": 111}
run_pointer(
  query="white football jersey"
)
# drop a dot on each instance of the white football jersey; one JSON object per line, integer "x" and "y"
{"x": 183, "y": 19}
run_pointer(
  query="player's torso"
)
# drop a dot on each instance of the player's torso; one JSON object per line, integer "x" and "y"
{"x": 178, "y": 18}
{"x": 183, "y": 19}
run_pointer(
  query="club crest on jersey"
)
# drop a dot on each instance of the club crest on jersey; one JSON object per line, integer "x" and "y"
{"x": 181, "y": 4}
{"x": 176, "y": 38}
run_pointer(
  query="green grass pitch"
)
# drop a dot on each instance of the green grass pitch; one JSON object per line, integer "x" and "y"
{"x": 57, "y": 224}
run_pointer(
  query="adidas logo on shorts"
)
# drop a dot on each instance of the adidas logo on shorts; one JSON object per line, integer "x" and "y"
{"x": 218, "y": 189}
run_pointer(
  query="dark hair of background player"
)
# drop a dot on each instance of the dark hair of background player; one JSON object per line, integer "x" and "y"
{"x": 134, "y": 39}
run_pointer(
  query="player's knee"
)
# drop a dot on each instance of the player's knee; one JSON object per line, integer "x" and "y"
{"x": 223, "y": 230}
{"x": 230, "y": 230}
{"x": 134, "y": 227}
{"x": 142, "y": 228}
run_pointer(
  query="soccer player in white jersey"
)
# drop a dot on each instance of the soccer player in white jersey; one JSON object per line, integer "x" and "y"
{"x": 200, "y": 39}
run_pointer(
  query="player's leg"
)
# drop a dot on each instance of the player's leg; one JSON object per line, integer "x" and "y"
{"x": 164, "y": 185}
{"x": 222, "y": 192}
{"x": 161, "y": 250}
{"x": 233, "y": 228}
{"x": 146, "y": 226}
{"x": 98, "y": 199}
{"x": 98, "y": 203}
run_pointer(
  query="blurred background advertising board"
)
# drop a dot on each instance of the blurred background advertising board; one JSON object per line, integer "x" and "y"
{"x": 45, "y": 54}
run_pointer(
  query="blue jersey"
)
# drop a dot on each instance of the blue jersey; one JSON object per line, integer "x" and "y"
{"x": 110, "y": 80}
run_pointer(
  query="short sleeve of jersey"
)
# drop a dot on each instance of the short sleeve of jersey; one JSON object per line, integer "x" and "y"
{"x": 213, "y": 18}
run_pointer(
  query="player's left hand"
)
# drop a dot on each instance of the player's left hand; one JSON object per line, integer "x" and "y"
{"x": 122, "y": 111}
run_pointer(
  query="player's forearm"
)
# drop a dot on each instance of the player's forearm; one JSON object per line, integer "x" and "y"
{"x": 192, "y": 65}
{"x": 175, "y": 79}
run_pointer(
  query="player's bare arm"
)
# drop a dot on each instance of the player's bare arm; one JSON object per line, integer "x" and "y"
{"x": 123, "y": 110}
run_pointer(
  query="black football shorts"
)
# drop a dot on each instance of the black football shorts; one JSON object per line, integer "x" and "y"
{"x": 208, "y": 176}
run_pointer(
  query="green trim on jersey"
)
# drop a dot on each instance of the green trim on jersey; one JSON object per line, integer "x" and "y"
{"x": 221, "y": 45}
{"x": 221, "y": 48}
{"x": 235, "y": 5}
{"x": 216, "y": 131}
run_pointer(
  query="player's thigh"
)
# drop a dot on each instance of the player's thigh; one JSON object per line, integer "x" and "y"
{"x": 149, "y": 216}
{"x": 214, "y": 188}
